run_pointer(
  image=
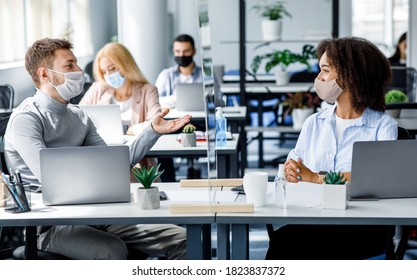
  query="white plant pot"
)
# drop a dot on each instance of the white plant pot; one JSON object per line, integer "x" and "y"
{"x": 188, "y": 139}
{"x": 334, "y": 196}
{"x": 271, "y": 30}
{"x": 205, "y": 36}
{"x": 148, "y": 198}
{"x": 281, "y": 78}
{"x": 299, "y": 116}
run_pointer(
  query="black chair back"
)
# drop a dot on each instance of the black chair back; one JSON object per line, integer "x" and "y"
{"x": 6, "y": 97}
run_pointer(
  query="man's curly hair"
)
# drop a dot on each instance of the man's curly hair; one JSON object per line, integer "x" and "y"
{"x": 42, "y": 53}
{"x": 361, "y": 68}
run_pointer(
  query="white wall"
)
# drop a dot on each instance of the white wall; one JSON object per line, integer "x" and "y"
{"x": 142, "y": 28}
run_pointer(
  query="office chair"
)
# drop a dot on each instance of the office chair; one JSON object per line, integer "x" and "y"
{"x": 6, "y": 97}
{"x": 404, "y": 79}
{"x": 89, "y": 71}
{"x": 77, "y": 99}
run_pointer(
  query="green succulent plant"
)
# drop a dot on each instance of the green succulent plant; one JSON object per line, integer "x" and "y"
{"x": 395, "y": 96}
{"x": 334, "y": 178}
{"x": 189, "y": 128}
{"x": 147, "y": 176}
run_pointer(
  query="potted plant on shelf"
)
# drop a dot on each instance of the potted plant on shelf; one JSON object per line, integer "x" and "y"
{"x": 281, "y": 60}
{"x": 147, "y": 195}
{"x": 395, "y": 96}
{"x": 272, "y": 15}
{"x": 300, "y": 105}
{"x": 334, "y": 193}
{"x": 188, "y": 136}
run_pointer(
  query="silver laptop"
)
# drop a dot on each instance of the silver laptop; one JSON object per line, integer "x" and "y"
{"x": 190, "y": 97}
{"x": 384, "y": 169}
{"x": 81, "y": 175}
{"x": 107, "y": 119}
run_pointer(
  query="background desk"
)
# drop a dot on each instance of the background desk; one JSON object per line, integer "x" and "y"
{"x": 261, "y": 92}
{"x": 115, "y": 213}
{"x": 227, "y": 161}
{"x": 236, "y": 119}
{"x": 382, "y": 212}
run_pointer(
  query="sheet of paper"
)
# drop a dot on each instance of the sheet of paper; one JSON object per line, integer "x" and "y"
{"x": 201, "y": 196}
{"x": 301, "y": 194}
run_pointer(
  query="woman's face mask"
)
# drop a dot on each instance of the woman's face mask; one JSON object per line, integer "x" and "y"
{"x": 328, "y": 91}
{"x": 115, "y": 79}
{"x": 73, "y": 85}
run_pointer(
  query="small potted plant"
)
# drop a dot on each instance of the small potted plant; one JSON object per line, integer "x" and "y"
{"x": 272, "y": 15}
{"x": 395, "y": 96}
{"x": 334, "y": 191}
{"x": 188, "y": 136}
{"x": 300, "y": 105}
{"x": 281, "y": 60}
{"x": 148, "y": 195}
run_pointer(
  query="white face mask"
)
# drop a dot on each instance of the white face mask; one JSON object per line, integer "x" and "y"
{"x": 115, "y": 80}
{"x": 328, "y": 91}
{"x": 73, "y": 85}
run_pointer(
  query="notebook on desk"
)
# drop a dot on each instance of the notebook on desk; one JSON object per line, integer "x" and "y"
{"x": 81, "y": 175}
{"x": 190, "y": 97}
{"x": 384, "y": 169}
{"x": 107, "y": 120}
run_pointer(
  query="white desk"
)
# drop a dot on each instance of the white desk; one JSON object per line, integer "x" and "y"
{"x": 261, "y": 92}
{"x": 236, "y": 119}
{"x": 231, "y": 114}
{"x": 261, "y": 88}
{"x": 382, "y": 212}
{"x": 227, "y": 161}
{"x": 114, "y": 213}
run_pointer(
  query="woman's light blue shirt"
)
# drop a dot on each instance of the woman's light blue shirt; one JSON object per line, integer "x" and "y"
{"x": 317, "y": 145}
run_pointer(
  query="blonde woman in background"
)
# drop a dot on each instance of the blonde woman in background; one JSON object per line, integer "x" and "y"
{"x": 120, "y": 81}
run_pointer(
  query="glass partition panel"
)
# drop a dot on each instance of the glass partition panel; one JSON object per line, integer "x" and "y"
{"x": 208, "y": 82}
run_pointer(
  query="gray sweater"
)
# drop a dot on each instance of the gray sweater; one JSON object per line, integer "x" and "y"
{"x": 42, "y": 122}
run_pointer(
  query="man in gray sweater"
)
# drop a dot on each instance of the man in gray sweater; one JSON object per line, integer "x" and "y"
{"x": 47, "y": 120}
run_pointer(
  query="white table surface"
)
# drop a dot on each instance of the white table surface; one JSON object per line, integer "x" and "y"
{"x": 231, "y": 113}
{"x": 380, "y": 212}
{"x": 169, "y": 145}
{"x": 114, "y": 213}
{"x": 264, "y": 87}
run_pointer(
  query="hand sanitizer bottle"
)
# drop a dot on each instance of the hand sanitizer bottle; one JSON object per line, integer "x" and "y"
{"x": 281, "y": 188}
{"x": 221, "y": 129}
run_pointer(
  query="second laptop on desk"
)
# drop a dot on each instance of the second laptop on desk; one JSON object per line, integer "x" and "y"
{"x": 107, "y": 120}
{"x": 384, "y": 169}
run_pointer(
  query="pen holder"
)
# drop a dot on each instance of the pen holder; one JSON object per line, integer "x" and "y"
{"x": 19, "y": 201}
{"x": 4, "y": 195}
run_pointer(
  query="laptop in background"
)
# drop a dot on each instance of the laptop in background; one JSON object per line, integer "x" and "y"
{"x": 190, "y": 97}
{"x": 107, "y": 119}
{"x": 384, "y": 169}
{"x": 82, "y": 175}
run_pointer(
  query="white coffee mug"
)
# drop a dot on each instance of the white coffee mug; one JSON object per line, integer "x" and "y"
{"x": 255, "y": 185}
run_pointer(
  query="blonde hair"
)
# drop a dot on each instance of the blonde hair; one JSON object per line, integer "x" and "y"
{"x": 123, "y": 60}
